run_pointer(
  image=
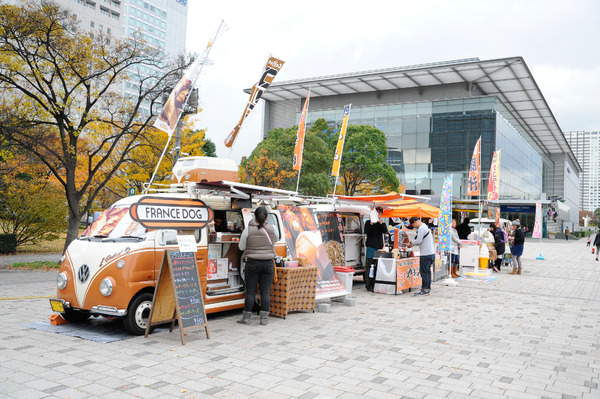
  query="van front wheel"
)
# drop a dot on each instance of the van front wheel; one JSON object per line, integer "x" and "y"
{"x": 138, "y": 313}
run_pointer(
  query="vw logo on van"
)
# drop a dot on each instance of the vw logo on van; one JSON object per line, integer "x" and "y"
{"x": 83, "y": 273}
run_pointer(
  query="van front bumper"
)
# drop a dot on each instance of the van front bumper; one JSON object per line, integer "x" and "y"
{"x": 109, "y": 311}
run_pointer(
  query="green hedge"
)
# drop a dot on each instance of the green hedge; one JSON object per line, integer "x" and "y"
{"x": 580, "y": 234}
{"x": 8, "y": 243}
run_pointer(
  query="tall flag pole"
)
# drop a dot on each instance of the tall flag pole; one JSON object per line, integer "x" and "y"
{"x": 270, "y": 70}
{"x": 172, "y": 110}
{"x": 445, "y": 224}
{"x": 494, "y": 181}
{"x": 537, "y": 227}
{"x": 337, "y": 158}
{"x": 299, "y": 149}
{"x": 474, "y": 183}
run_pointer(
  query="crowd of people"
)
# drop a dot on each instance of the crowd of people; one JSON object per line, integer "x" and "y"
{"x": 257, "y": 242}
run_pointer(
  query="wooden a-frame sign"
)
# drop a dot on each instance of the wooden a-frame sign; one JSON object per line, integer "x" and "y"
{"x": 178, "y": 295}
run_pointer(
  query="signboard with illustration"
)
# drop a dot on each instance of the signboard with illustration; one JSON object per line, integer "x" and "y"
{"x": 304, "y": 240}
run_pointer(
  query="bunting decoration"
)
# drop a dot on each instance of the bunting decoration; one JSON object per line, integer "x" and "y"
{"x": 494, "y": 181}
{"x": 271, "y": 69}
{"x": 475, "y": 170}
{"x": 298, "y": 150}
{"x": 337, "y": 158}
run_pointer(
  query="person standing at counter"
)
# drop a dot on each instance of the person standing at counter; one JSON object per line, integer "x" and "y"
{"x": 454, "y": 250}
{"x": 424, "y": 240}
{"x": 499, "y": 245}
{"x": 257, "y": 240}
{"x": 374, "y": 232}
{"x": 464, "y": 229}
{"x": 517, "y": 242}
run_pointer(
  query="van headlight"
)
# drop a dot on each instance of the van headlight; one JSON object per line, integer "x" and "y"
{"x": 61, "y": 280}
{"x": 106, "y": 287}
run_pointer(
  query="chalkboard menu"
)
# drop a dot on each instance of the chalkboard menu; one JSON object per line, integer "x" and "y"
{"x": 178, "y": 294}
{"x": 187, "y": 288}
{"x": 330, "y": 226}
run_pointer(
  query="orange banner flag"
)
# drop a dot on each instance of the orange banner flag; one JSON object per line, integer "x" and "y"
{"x": 475, "y": 170}
{"x": 337, "y": 158}
{"x": 270, "y": 71}
{"x": 299, "y": 149}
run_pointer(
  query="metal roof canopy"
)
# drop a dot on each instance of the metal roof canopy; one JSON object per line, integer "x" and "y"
{"x": 507, "y": 78}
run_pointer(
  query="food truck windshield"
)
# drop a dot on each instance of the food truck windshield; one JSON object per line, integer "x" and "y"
{"x": 115, "y": 222}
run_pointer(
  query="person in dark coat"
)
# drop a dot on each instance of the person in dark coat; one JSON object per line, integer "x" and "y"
{"x": 374, "y": 233}
{"x": 597, "y": 244}
{"x": 499, "y": 245}
{"x": 464, "y": 229}
{"x": 516, "y": 248}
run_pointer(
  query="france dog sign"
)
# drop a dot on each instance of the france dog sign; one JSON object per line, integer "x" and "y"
{"x": 171, "y": 213}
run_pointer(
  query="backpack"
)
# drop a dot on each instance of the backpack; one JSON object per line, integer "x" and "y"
{"x": 504, "y": 235}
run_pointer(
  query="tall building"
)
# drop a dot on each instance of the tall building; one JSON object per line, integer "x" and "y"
{"x": 433, "y": 114}
{"x": 586, "y": 147}
{"x": 162, "y": 24}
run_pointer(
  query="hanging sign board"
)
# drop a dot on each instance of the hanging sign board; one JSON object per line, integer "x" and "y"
{"x": 178, "y": 295}
{"x": 171, "y": 213}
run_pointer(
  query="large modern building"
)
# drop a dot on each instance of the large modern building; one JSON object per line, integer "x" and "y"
{"x": 433, "y": 114}
{"x": 586, "y": 147}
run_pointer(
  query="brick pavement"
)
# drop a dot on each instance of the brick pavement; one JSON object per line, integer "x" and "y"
{"x": 529, "y": 336}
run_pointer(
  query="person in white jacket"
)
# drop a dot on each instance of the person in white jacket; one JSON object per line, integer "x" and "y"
{"x": 424, "y": 240}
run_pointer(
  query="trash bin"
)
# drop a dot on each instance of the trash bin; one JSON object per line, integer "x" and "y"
{"x": 346, "y": 279}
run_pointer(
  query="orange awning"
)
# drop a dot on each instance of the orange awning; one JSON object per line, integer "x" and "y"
{"x": 409, "y": 210}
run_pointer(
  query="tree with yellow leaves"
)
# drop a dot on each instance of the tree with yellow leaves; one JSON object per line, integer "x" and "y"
{"x": 60, "y": 97}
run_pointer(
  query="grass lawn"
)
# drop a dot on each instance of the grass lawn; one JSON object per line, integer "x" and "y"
{"x": 41, "y": 266}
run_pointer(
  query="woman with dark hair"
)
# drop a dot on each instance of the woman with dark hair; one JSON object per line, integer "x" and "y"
{"x": 499, "y": 245}
{"x": 257, "y": 240}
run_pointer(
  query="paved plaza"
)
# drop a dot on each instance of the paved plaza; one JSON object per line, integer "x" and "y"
{"x": 531, "y": 336}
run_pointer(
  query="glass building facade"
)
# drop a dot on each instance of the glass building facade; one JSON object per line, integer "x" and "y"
{"x": 429, "y": 140}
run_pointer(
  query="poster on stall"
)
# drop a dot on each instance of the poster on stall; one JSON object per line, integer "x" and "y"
{"x": 407, "y": 274}
{"x": 304, "y": 240}
{"x": 330, "y": 226}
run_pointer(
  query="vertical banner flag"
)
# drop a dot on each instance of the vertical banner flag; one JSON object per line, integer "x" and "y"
{"x": 494, "y": 181}
{"x": 537, "y": 227}
{"x": 445, "y": 218}
{"x": 297, "y": 162}
{"x": 270, "y": 71}
{"x": 475, "y": 170}
{"x": 498, "y": 217}
{"x": 171, "y": 112}
{"x": 337, "y": 158}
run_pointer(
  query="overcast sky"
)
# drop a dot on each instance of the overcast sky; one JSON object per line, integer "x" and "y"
{"x": 557, "y": 39}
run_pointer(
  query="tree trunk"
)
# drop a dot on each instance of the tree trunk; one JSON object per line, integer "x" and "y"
{"x": 73, "y": 228}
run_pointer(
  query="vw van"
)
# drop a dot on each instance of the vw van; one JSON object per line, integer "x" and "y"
{"x": 112, "y": 268}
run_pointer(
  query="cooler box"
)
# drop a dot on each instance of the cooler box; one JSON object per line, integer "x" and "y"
{"x": 469, "y": 255}
{"x": 385, "y": 280}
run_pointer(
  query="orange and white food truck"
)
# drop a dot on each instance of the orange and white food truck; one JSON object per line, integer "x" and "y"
{"x": 112, "y": 268}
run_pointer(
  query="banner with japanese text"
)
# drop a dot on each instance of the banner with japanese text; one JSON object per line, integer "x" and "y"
{"x": 537, "y": 227}
{"x": 270, "y": 71}
{"x": 494, "y": 180}
{"x": 475, "y": 170}
{"x": 299, "y": 148}
{"x": 337, "y": 158}
{"x": 445, "y": 218}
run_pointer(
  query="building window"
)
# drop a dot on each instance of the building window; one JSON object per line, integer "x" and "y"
{"x": 103, "y": 11}
{"x": 90, "y": 4}
{"x": 92, "y": 24}
{"x": 108, "y": 30}
{"x": 114, "y": 15}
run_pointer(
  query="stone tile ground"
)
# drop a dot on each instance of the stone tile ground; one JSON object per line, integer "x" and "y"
{"x": 531, "y": 336}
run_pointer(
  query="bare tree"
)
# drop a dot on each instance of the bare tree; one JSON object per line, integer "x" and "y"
{"x": 60, "y": 97}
